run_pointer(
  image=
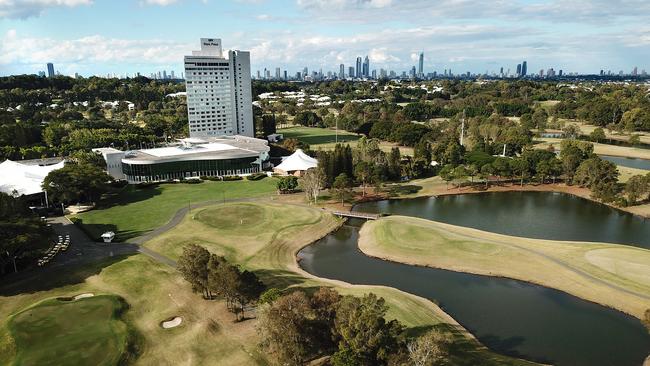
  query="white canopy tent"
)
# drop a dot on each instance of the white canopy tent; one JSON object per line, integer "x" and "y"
{"x": 24, "y": 179}
{"x": 296, "y": 162}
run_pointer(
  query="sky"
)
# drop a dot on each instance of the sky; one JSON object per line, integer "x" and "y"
{"x": 96, "y": 37}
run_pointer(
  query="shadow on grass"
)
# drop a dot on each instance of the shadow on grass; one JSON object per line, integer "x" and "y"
{"x": 128, "y": 195}
{"x": 47, "y": 279}
{"x": 280, "y": 279}
{"x": 95, "y": 231}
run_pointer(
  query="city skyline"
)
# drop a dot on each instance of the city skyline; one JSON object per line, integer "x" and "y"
{"x": 148, "y": 36}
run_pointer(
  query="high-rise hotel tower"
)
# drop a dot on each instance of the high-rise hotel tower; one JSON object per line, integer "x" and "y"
{"x": 219, "y": 100}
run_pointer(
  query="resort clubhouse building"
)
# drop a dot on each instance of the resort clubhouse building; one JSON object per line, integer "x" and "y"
{"x": 191, "y": 158}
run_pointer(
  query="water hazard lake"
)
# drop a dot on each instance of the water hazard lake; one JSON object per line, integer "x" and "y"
{"x": 509, "y": 316}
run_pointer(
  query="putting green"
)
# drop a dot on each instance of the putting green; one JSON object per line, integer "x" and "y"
{"x": 231, "y": 217}
{"x": 88, "y": 331}
{"x": 623, "y": 262}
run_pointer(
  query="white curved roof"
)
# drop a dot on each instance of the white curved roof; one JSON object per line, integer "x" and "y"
{"x": 24, "y": 179}
{"x": 297, "y": 161}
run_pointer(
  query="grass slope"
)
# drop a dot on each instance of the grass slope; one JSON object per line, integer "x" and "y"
{"x": 269, "y": 247}
{"x": 83, "y": 332}
{"x": 133, "y": 211}
{"x": 594, "y": 271}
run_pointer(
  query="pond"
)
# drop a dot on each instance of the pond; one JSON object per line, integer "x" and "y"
{"x": 509, "y": 316}
{"x": 628, "y": 162}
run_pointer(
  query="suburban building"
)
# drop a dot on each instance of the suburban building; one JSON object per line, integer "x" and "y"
{"x": 219, "y": 99}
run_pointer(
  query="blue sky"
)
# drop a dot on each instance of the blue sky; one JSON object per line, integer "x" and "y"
{"x": 127, "y": 36}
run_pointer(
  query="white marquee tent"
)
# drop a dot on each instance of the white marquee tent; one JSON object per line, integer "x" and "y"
{"x": 297, "y": 162}
{"x": 24, "y": 179}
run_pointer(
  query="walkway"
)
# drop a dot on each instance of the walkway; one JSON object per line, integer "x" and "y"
{"x": 357, "y": 215}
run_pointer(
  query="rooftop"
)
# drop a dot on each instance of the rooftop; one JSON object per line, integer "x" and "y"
{"x": 213, "y": 149}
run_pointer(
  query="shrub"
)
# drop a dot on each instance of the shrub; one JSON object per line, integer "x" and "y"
{"x": 231, "y": 178}
{"x": 256, "y": 176}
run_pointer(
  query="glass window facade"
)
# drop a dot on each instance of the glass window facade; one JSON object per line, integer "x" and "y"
{"x": 136, "y": 173}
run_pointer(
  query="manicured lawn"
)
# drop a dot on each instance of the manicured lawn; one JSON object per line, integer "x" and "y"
{"x": 325, "y": 138}
{"x": 594, "y": 271}
{"x": 83, "y": 332}
{"x": 134, "y": 211}
{"x": 315, "y": 136}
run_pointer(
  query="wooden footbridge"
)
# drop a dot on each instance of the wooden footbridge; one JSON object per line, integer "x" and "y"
{"x": 357, "y": 215}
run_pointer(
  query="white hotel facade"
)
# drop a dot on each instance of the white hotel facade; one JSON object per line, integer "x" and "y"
{"x": 219, "y": 96}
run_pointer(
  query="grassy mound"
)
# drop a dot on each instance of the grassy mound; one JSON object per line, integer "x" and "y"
{"x": 88, "y": 331}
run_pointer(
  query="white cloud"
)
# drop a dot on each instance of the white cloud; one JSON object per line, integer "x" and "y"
{"x": 160, "y": 2}
{"x": 23, "y": 9}
{"x": 87, "y": 50}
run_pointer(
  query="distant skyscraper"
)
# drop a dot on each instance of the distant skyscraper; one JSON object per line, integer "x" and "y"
{"x": 366, "y": 67}
{"x": 524, "y": 68}
{"x": 635, "y": 71}
{"x": 351, "y": 72}
{"x": 285, "y": 75}
{"x": 219, "y": 98}
{"x": 277, "y": 73}
{"x": 421, "y": 65}
{"x": 412, "y": 74}
{"x": 341, "y": 71}
{"x": 305, "y": 72}
{"x": 164, "y": 74}
{"x": 359, "y": 68}
{"x": 518, "y": 69}
{"x": 50, "y": 70}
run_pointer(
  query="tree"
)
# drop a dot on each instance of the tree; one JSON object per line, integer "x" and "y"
{"x": 341, "y": 188}
{"x": 501, "y": 167}
{"x": 23, "y": 235}
{"x": 269, "y": 296}
{"x": 363, "y": 172}
{"x": 597, "y": 135}
{"x": 287, "y": 184}
{"x": 76, "y": 183}
{"x": 634, "y": 140}
{"x": 193, "y": 266}
{"x": 571, "y": 131}
{"x": 283, "y": 327}
{"x": 429, "y": 349}
{"x": 312, "y": 182}
{"x": 446, "y": 173}
{"x": 540, "y": 119}
{"x": 487, "y": 170}
{"x": 636, "y": 187}
{"x": 520, "y": 168}
{"x": 394, "y": 160}
{"x": 543, "y": 169}
{"x": 459, "y": 174}
{"x": 307, "y": 118}
{"x": 363, "y": 330}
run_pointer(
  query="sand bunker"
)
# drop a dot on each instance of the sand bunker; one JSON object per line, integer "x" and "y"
{"x": 172, "y": 323}
{"x": 83, "y": 296}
